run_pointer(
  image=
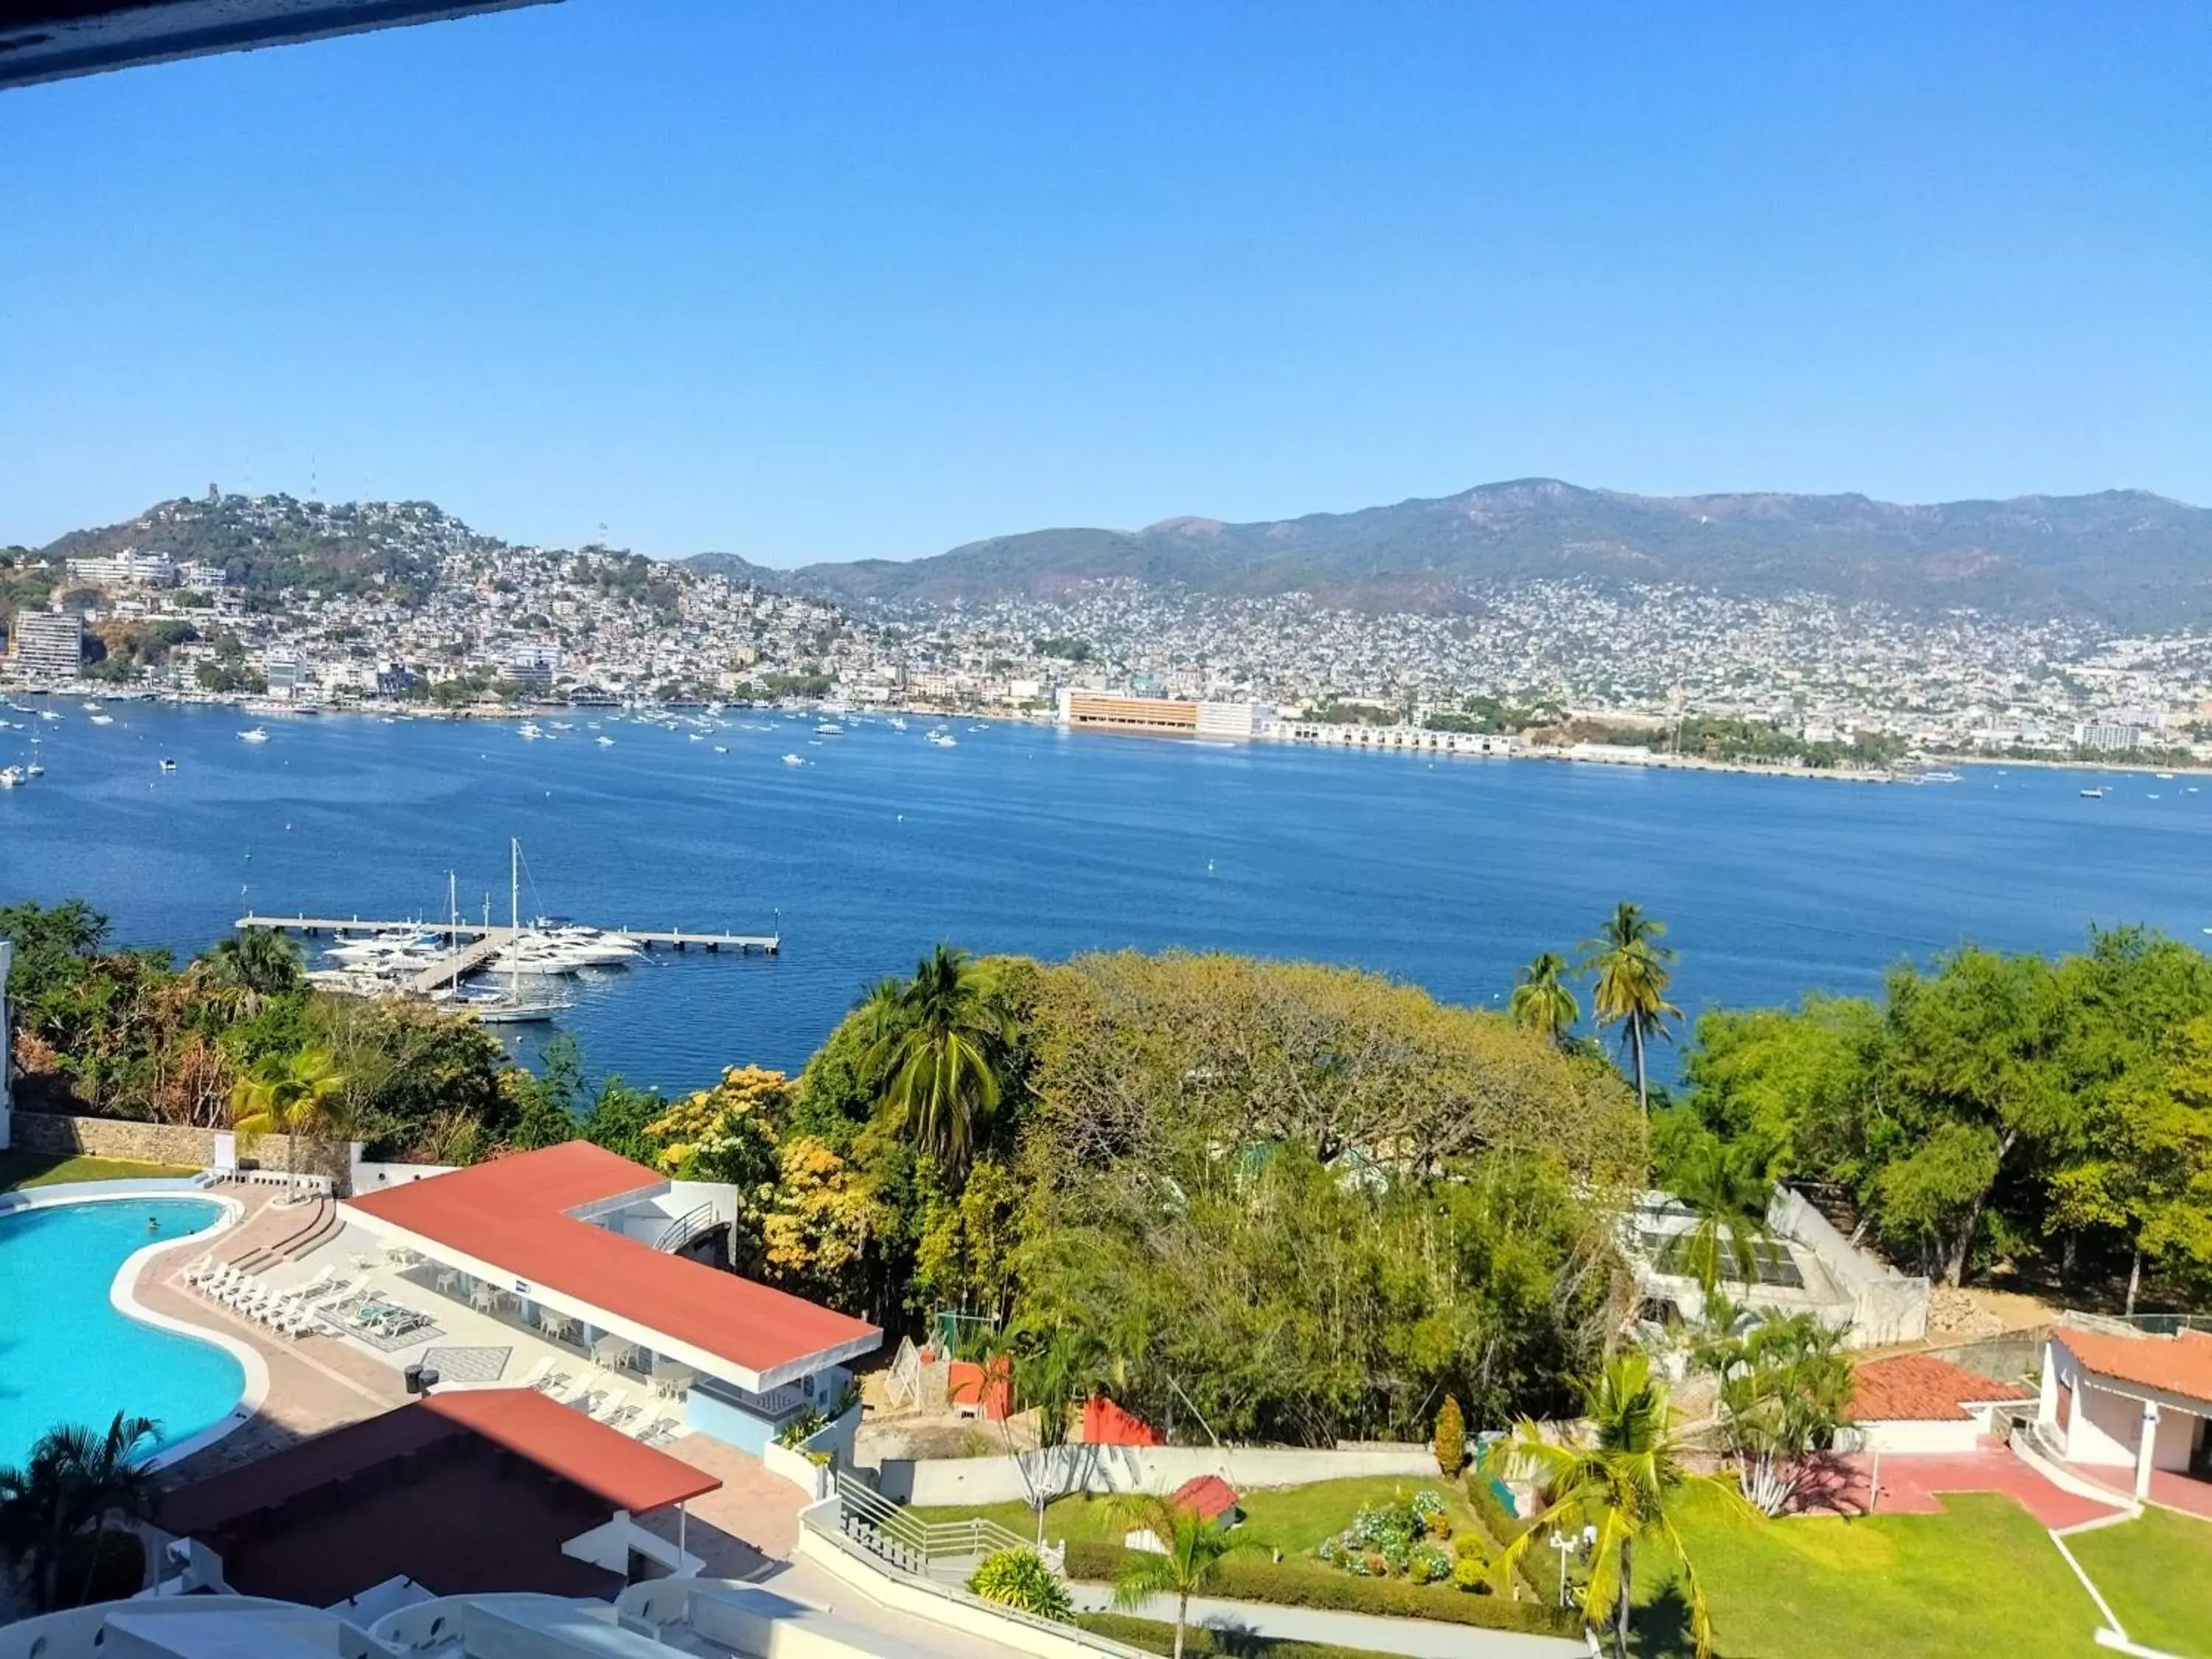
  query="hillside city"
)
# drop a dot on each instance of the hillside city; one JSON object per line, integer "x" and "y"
{"x": 309, "y": 603}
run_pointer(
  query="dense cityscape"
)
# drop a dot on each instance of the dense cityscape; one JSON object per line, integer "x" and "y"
{"x": 314, "y": 605}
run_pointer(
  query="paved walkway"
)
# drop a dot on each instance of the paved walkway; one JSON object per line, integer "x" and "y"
{"x": 1423, "y": 1638}
{"x": 1913, "y": 1485}
{"x": 904, "y": 1633}
{"x": 740, "y": 1529}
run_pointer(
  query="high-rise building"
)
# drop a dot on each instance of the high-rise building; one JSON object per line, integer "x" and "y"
{"x": 46, "y": 645}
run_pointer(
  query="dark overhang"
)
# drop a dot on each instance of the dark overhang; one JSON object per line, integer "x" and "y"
{"x": 54, "y": 39}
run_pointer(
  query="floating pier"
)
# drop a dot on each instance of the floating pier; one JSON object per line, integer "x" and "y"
{"x": 473, "y": 946}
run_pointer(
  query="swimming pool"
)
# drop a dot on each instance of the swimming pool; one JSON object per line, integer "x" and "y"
{"x": 68, "y": 1356}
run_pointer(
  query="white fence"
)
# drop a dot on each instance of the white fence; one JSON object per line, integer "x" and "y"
{"x": 1014, "y": 1478}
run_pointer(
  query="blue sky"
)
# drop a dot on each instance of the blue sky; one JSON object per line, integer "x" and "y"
{"x": 842, "y": 279}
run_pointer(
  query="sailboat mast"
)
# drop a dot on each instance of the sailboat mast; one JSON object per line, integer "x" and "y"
{"x": 515, "y": 911}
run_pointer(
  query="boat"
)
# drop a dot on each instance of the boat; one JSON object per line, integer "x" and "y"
{"x": 721, "y": 749}
{"x": 91, "y": 707}
{"x": 2093, "y": 795}
{"x": 2166, "y": 777}
{"x": 898, "y": 722}
{"x": 34, "y": 770}
{"x": 103, "y": 720}
{"x": 794, "y": 760}
{"x": 168, "y": 765}
{"x": 511, "y": 1006}
{"x": 604, "y": 741}
{"x": 1939, "y": 777}
{"x": 11, "y": 777}
{"x": 253, "y": 734}
{"x": 529, "y": 729}
{"x": 829, "y": 728}
{"x": 943, "y": 739}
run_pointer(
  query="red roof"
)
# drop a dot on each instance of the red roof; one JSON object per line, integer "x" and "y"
{"x": 1206, "y": 1495}
{"x": 513, "y": 1214}
{"x": 602, "y": 1460}
{"x": 1917, "y": 1388}
{"x": 2179, "y": 1364}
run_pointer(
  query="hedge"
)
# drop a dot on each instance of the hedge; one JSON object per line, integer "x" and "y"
{"x": 1249, "y": 1579}
{"x": 1200, "y": 1643}
{"x": 1498, "y": 1519}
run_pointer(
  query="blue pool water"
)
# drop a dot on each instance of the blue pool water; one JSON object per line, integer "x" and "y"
{"x": 67, "y": 1356}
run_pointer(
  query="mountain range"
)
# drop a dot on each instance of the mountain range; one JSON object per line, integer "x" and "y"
{"x": 2125, "y": 558}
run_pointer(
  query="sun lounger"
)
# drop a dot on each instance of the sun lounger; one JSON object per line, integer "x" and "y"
{"x": 619, "y": 1411}
{"x": 661, "y": 1429}
{"x": 540, "y": 1377}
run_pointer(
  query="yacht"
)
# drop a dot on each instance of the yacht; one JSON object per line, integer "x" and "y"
{"x": 10, "y": 776}
{"x": 604, "y": 741}
{"x": 168, "y": 765}
{"x": 103, "y": 720}
{"x": 2093, "y": 795}
{"x": 529, "y": 729}
{"x": 794, "y": 760}
{"x": 829, "y": 728}
{"x": 943, "y": 739}
{"x": 253, "y": 734}
{"x": 91, "y": 707}
{"x": 512, "y": 1006}
{"x": 34, "y": 770}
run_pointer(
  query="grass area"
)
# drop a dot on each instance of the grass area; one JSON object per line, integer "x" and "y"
{"x": 1292, "y": 1519}
{"x": 2156, "y": 1571}
{"x": 19, "y": 1169}
{"x": 1982, "y": 1578}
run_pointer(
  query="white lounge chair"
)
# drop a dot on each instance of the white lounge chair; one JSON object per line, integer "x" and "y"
{"x": 662, "y": 1430}
{"x": 199, "y": 1265}
{"x": 619, "y": 1411}
{"x": 539, "y": 1377}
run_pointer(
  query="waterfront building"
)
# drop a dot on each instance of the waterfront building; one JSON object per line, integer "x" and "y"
{"x": 1171, "y": 716}
{"x": 46, "y": 645}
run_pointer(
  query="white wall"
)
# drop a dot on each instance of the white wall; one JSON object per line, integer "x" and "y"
{"x": 1137, "y": 1468}
{"x": 2106, "y": 1427}
{"x": 1922, "y": 1437}
{"x": 2177, "y": 1433}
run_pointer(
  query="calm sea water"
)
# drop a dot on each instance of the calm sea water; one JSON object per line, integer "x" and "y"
{"x": 1450, "y": 874}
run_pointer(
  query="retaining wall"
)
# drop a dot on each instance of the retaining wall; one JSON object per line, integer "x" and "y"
{"x": 1137, "y": 1468}
{"x": 62, "y": 1135}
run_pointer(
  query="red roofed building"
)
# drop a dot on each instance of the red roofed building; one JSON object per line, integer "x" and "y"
{"x": 481, "y": 1489}
{"x": 1208, "y": 1496}
{"x": 576, "y": 1238}
{"x": 1915, "y": 1402}
{"x": 2121, "y": 1402}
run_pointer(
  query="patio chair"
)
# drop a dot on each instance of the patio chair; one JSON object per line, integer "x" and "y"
{"x": 240, "y": 1291}
{"x": 195, "y": 1267}
{"x": 315, "y": 1284}
{"x": 542, "y": 1376}
{"x": 662, "y": 1430}
{"x": 619, "y": 1411}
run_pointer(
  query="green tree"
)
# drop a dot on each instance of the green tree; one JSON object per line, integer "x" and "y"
{"x": 1728, "y": 1203}
{"x": 259, "y": 963}
{"x": 938, "y": 1072}
{"x": 75, "y": 1479}
{"x": 293, "y": 1094}
{"x": 1623, "y": 1482}
{"x": 1543, "y": 1002}
{"x": 1784, "y": 1391}
{"x": 1189, "y": 1559}
{"x": 1633, "y": 970}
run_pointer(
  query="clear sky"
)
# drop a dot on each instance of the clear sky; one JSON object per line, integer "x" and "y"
{"x": 829, "y": 281}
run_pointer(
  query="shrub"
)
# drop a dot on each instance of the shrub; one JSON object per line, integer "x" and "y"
{"x": 1450, "y": 1441}
{"x": 1253, "y": 1578}
{"x": 803, "y": 1427}
{"x": 1497, "y": 1516}
{"x": 1472, "y": 1573}
{"x": 1018, "y": 1578}
{"x": 1430, "y": 1564}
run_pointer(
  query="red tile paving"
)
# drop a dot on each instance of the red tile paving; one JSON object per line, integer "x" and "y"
{"x": 1915, "y": 1485}
{"x": 1911, "y": 1388}
{"x": 2181, "y": 1492}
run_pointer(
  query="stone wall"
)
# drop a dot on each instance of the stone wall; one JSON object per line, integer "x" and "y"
{"x": 161, "y": 1143}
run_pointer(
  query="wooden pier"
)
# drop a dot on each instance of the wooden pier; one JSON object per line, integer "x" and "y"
{"x": 473, "y": 946}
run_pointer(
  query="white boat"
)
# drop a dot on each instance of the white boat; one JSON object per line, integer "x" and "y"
{"x": 898, "y": 722}
{"x": 103, "y": 720}
{"x": 529, "y": 729}
{"x": 2093, "y": 795}
{"x": 721, "y": 749}
{"x": 34, "y": 770}
{"x": 91, "y": 707}
{"x": 604, "y": 741}
{"x": 830, "y": 728}
{"x": 253, "y": 734}
{"x": 10, "y": 777}
{"x": 512, "y": 1006}
{"x": 794, "y": 760}
{"x": 943, "y": 739}
{"x": 2166, "y": 777}
{"x": 168, "y": 765}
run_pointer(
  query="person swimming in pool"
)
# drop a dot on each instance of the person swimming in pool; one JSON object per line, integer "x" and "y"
{"x": 153, "y": 1224}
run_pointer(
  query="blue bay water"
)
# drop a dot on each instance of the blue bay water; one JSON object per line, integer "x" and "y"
{"x": 1450, "y": 874}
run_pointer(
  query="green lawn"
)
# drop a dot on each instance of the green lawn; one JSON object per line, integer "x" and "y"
{"x": 2157, "y": 1573}
{"x": 46, "y": 1168}
{"x": 1292, "y": 1519}
{"x": 1982, "y": 1578}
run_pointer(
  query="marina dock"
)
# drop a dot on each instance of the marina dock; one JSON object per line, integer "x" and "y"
{"x": 473, "y": 946}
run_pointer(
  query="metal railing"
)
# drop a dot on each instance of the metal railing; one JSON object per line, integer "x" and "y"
{"x": 686, "y": 1227}
{"x": 913, "y": 1544}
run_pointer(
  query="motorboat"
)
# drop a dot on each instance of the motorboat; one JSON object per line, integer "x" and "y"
{"x": 942, "y": 739}
{"x": 168, "y": 765}
{"x": 103, "y": 720}
{"x": 898, "y": 722}
{"x": 794, "y": 760}
{"x": 2093, "y": 795}
{"x": 829, "y": 728}
{"x": 529, "y": 729}
{"x": 253, "y": 734}
{"x": 604, "y": 741}
{"x": 11, "y": 777}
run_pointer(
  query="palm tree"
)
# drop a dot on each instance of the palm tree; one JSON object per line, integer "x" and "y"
{"x": 1633, "y": 976}
{"x": 74, "y": 1480}
{"x": 1729, "y": 1204}
{"x": 290, "y": 1095}
{"x": 936, "y": 1055}
{"x": 1622, "y": 1483}
{"x": 1786, "y": 1390}
{"x": 1192, "y": 1557}
{"x": 259, "y": 962}
{"x": 1543, "y": 1002}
